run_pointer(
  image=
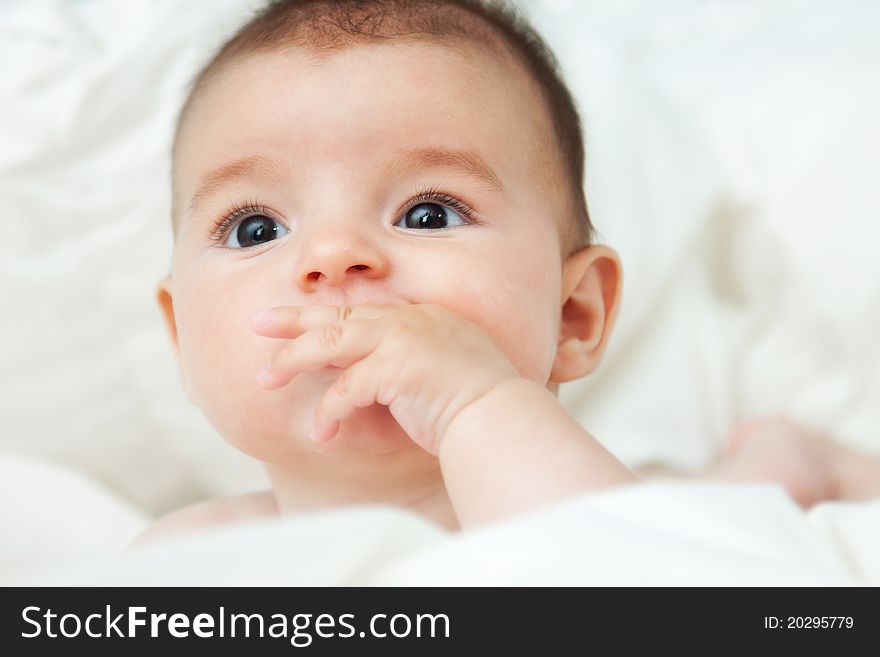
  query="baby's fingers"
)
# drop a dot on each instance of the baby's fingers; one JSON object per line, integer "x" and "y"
{"x": 291, "y": 321}
{"x": 340, "y": 344}
{"x": 356, "y": 387}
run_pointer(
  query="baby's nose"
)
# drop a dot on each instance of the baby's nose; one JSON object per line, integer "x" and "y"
{"x": 335, "y": 260}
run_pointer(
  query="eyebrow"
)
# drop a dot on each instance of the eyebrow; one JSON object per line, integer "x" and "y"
{"x": 254, "y": 167}
{"x": 467, "y": 162}
{"x": 258, "y": 167}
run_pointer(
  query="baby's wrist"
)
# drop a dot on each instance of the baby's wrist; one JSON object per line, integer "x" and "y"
{"x": 487, "y": 411}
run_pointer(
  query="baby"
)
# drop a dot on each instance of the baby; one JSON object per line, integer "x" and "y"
{"x": 384, "y": 265}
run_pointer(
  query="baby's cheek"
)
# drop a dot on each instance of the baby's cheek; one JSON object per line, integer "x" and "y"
{"x": 221, "y": 356}
{"x": 527, "y": 326}
{"x": 531, "y": 344}
{"x": 216, "y": 356}
{"x": 521, "y": 320}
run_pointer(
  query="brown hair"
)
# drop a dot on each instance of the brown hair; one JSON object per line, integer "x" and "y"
{"x": 325, "y": 26}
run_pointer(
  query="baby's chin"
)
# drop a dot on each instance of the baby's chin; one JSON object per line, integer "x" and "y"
{"x": 273, "y": 426}
{"x": 368, "y": 430}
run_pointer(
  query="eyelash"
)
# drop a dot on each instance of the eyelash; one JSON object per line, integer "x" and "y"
{"x": 427, "y": 195}
{"x": 435, "y": 195}
{"x": 233, "y": 215}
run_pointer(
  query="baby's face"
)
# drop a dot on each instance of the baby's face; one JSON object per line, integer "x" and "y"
{"x": 320, "y": 164}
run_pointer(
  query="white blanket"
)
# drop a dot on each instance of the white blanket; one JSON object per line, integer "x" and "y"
{"x": 647, "y": 534}
{"x": 53, "y": 517}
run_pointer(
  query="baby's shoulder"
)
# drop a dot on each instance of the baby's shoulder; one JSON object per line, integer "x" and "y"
{"x": 210, "y": 513}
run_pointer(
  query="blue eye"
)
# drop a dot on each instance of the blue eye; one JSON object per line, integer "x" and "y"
{"x": 254, "y": 230}
{"x": 430, "y": 216}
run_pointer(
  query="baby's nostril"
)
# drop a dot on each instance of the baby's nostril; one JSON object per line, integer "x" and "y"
{"x": 318, "y": 275}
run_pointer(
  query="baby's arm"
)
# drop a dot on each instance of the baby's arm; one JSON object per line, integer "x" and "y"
{"x": 517, "y": 448}
{"x": 505, "y": 444}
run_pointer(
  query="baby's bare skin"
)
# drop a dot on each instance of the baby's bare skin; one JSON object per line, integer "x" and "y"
{"x": 450, "y": 389}
{"x": 812, "y": 467}
{"x": 454, "y": 393}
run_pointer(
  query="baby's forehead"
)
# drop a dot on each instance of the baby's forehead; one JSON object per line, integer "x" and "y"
{"x": 480, "y": 63}
{"x": 434, "y": 83}
{"x": 485, "y": 62}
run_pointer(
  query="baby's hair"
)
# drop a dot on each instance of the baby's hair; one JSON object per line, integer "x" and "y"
{"x": 326, "y": 26}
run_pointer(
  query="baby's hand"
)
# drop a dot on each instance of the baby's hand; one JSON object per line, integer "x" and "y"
{"x": 424, "y": 362}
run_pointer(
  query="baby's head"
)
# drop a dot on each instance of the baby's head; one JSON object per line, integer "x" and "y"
{"x": 382, "y": 152}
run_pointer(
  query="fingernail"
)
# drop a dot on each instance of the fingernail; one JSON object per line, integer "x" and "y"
{"x": 263, "y": 317}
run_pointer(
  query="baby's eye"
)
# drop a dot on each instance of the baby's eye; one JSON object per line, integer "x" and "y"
{"x": 430, "y": 215}
{"x": 253, "y": 230}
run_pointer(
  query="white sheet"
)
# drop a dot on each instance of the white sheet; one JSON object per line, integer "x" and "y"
{"x": 66, "y": 529}
{"x": 649, "y": 534}
{"x": 53, "y": 517}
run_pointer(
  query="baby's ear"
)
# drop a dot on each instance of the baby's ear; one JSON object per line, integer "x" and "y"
{"x": 591, "y": 286}
{"x": 164, "y": 296}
